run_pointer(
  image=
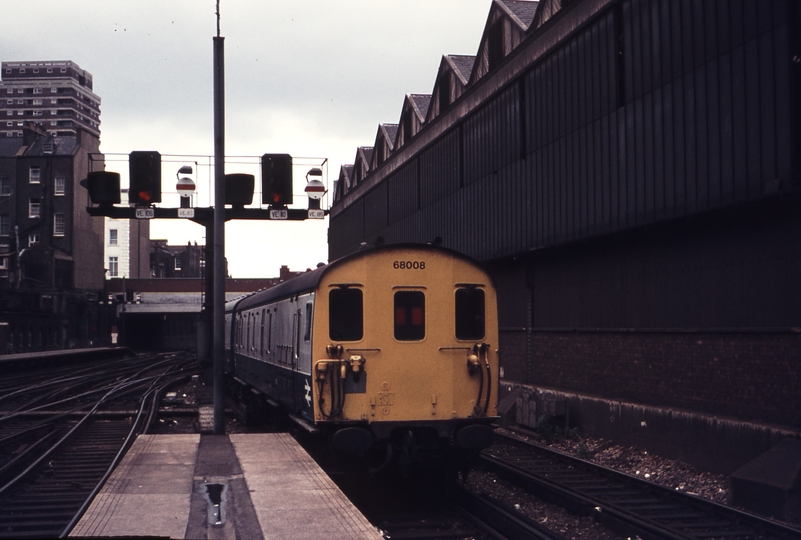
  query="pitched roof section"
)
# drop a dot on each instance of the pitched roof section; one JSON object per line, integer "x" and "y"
{"x": 9, "y": 146}
{"x": 343, "y": 184}
{"x": 454, "y": 72}
{"x": 384, "y": 144}
{"x": 524, "y": 11}
{"x": 35, "y": 144}
{"x": 547, "y": 9}
{"x": 506, "y": 28}
{"x": 413, "y": 116}
{"x": 421, "y": 103}
{"x": 462, "y": 65}
{"x": 361, "y": 164}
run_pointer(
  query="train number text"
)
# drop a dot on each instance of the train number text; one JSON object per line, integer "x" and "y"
{"x": 409, "y": 265}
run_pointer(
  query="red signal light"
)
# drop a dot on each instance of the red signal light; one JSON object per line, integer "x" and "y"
{"x": 276, "y": 178}
{"x": 145, "y": 177}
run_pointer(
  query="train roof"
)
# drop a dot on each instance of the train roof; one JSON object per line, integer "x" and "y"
{"x": 308, "y": 281}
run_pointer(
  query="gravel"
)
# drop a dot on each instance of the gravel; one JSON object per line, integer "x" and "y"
{"x": 634, "y": 461}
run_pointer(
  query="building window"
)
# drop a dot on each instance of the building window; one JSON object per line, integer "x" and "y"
{"x": 5, "y": 186}
{"x": 35, "y": 175}
{"x": 37, "y": 90}
{"x": 112, "y": 237}
{"x": 177, "y": 263}
{"x": 50, "y": 70}
{"x": 3, "y": 263}
{"x": 58, "y": 224}
{"x": 34, "y": 207}
{"x": 5, "y": 224}
{"x": 112, "y": 267}
{"x": 58, "y": 185}
{"x": 34, "y": 238}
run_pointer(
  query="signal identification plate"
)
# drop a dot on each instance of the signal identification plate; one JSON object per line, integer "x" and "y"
{"x": 145, "y": 213}
{"x": 316, "y": 214}
{"x": 279, "y": 214}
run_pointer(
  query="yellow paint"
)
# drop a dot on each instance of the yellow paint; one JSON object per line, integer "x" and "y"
{"x": 408, "y": 380}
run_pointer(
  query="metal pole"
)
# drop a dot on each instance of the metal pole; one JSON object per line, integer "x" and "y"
{"x": 219, "y": 235}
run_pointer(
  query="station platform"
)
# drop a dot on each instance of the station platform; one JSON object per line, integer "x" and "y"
{"x": 256, "y": 486}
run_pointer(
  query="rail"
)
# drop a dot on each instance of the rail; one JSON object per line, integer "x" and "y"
{"x": 629, "y": 505}
{"x": 67, "y": 454}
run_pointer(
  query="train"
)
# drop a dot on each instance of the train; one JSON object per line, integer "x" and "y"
{"x": 389, "y": 350}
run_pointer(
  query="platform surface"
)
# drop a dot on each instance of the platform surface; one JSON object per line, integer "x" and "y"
{"x": 266, "y": 486}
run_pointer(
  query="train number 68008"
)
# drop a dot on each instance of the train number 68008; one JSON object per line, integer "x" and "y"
{"x": 409, "y": 265}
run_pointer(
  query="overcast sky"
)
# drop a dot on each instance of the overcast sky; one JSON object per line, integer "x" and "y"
{"x": 312, "y": 78}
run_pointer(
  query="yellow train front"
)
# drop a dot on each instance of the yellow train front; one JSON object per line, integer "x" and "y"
{"x": 400, "y": 346}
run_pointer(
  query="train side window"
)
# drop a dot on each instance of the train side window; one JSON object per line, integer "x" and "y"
{"x": 470, "y": 313}
{"x": 410, "y": 315}
{"x": 345, "y": 314}
{"x": 238, "y": 332}
{"x": 270, "y": 334}
{"x": 249, "y": 323}
{"x": 308, "y": 322}
{"x": 261, "y": 336}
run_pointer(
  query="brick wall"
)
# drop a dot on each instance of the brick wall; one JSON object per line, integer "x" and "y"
{"x": 748, "y": 376}
{"x": 513, "y": 354}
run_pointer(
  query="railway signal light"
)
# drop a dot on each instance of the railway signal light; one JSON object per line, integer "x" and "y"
{"x": 145, "y": 175}
{"x": 103, "y": 186}
{"x": 239, "y": 189}
{"x": 276, "y": 179}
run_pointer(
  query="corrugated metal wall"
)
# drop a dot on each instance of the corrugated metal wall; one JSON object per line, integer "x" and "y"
{"x": 658, "y": 109}
{"x": 727, "y": 271}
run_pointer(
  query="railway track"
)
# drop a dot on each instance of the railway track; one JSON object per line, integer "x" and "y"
{"x": 498, "y": 520}
{"x": 626, "y": 504}
{"x": 427, "y": 504}
{"x": 63, "y": 431}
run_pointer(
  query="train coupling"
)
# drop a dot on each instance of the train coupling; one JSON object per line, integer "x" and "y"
{"x": 356, "y": 362}
{"x": 474, "y": 356}
{"x": 473, "y": 363}
{"x": 353, "y": 364}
